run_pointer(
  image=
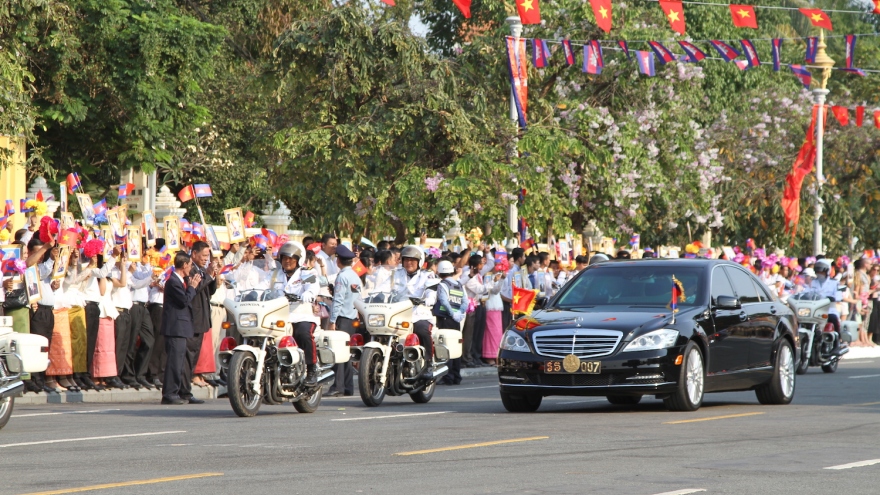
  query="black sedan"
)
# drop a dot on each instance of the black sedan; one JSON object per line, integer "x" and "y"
{"x": 612, "y": 331}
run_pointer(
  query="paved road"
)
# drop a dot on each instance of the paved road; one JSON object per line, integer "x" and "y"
{"x": 572, "y": 445}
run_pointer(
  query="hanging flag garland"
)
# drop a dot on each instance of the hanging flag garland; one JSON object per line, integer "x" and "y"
{"x": 529, "y": 11}
{"x": 850, "y": 41}
{"x": 694, "y": 54}
{"x": 817, "y": 18}
{"x": 803, "y": 74}
{"x": 646, "y": 62}
{"x": 776, "y": 49}
{"x": 602, "y": 12}
{"x": 674, "y": 12}
{"x": 540, "y": 52}
{"x": 744, "y": 16}
{"x": 750, "y": 52}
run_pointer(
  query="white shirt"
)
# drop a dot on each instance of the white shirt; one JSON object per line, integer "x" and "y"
{"x": 91, "y": 291}
{"x": 49, "y": 297}
{"x": 329, "y": 263}
{"x": 416, "y": 286}
{"x": 517, "y": 276}
{"x": 828, "y": 289}
{"x": 121, "y": 296}
{"x": 140, "y": 282}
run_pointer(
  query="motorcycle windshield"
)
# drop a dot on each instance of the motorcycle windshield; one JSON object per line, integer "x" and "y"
{"x": 809, "y": 296}
{"x": 255, "y": 295}
{"x": 385, "y": 298}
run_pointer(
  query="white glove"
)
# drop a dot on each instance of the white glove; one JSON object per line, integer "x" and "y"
{"x": 458, "y": 317}
{"x": 308, "y": 298}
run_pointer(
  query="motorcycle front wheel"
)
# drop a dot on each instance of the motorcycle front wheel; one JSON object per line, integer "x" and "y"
{"x": 6, "y": 410}
{"x": 369, "y": 377}
{"x": 804, "y": 361}
{"x": 242, "y": 370}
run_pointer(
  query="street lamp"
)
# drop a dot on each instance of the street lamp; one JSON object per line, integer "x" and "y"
{"x": 512, "y": 210}
{"x": 824, "y": 62}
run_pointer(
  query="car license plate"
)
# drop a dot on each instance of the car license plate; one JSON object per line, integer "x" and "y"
{"x": 585, "y": 367}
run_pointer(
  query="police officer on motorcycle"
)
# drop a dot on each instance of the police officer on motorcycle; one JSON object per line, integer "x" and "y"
{"x": 828, "y": 287}
{"x": 413, "y": 282}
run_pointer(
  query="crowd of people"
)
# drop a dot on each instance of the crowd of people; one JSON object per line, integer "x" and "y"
{"x": 103, "y": 316}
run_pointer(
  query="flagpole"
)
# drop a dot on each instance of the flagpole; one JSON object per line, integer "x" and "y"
{"x": 826, "y": 64}
{"x": 516, "y": 28}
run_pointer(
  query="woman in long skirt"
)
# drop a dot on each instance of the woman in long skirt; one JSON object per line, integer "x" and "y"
{"x": 492, "y": 333}
{"x": 60, "y": 351}
{"x": 104, "y": 360}
{"x": 205, "y": 364}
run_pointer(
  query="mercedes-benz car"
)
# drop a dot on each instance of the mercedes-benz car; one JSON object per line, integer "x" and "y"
{"x": 614, "y": 331}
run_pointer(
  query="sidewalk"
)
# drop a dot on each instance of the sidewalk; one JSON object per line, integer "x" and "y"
{"x": 154, "y": 396}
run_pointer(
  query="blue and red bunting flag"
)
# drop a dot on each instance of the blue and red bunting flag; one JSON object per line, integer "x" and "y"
{"x": 593, "y": 62}
{"x": 850, "y": 41}
{"x": 226, "y": 269}
{"x": 568, "y": 52}
{"x": 625, "y": 47}
{"x": 73, "y": 182}
{"x": 203, "y": 190}
{"x": 802, "y": 73}
{"x": 125, "y": 190}
{"x": 499, "y": 255}
{"x": 858, "y": 72}
{"x": 100, "y": 207}
{"x": 694, "y": 54}
{"x": 750, "y": 53}
{"x": 646, "y": 62}
{"x": 662, "y": 52}
{"x": 540, "y": 52}
{"x": 726, "y": 51}
{"x": 812, "y": 48}
{"x": 10, "y": 208}
{"x": 776, "y": 49}
{"x": 742, "y": 64}
{"x": 517, "y": 63}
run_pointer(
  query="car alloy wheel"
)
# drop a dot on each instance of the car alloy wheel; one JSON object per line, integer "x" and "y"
{"x": 694, "y": 376}
{"x": 786, "y": 371}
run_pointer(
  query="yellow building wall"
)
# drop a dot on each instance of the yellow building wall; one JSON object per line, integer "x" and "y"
{"x": 13, "y": 179}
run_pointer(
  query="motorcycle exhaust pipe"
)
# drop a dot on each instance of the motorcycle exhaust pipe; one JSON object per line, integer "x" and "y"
{"x": 326, "y": 377}
{"x": 14, "y": 389}
{"x": 440, "y": 372}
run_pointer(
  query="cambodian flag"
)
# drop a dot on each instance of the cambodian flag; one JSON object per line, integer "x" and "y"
{"x": 271, "y": 236}
{"x": 226, "y": 269}
{"x": 261, "y": 241}
{"x": 185, "y": 226}
{"x": 726, "y": 51}
{"x": 540, "y": 52}
{"x": 568, "y": 52}
{"x": 73, "y": 182}
{"x": 163, "y": 249}
{"x": 694, "y": 54}
{"x": 646, "y": 62}
{"x": 750, "y": 52}
{"x": 22, "y": 206}
{"x": 100, "y": 207}
{"x": 812, "y": 48}
{"x": 662, "y": 52}
{"x": 625, "y": 47}
{"x": 592, "y": 64}
{"x": 166, "y": 275}
{"x": 10, "y": 208}
{"x": 125, "y": 190}
{"x": 203, "y": 190}
{"x": 803, "y": 74}
{"x": 858, "y": 72}
{"x": 634, "y": 240}
{"x": 198, "y": 230}
{"x": 850, "y": 49}
{"x": 776, "y": 48}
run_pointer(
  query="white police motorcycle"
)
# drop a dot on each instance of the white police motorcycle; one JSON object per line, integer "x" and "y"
{"x": 19, "y": 353}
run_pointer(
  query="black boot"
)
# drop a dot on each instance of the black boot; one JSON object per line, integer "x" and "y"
{"x": 312, "y": 375}
{"x": 427, "y": 373}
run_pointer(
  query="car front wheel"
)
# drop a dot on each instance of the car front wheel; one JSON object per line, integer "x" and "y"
{"x": 780, "y": 388}
{"x": 521, "y": 402}
{"x": 689, "y": 396}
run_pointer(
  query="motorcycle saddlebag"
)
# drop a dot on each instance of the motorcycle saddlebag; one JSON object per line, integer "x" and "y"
{"x": 33, "y": 349}
{"x": 337, "y": 342}
{"x": 451, "y": 339}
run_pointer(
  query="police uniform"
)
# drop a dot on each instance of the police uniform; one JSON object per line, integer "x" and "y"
{"x": 304, "y": 284}
{"x": 414, "y": 285}
{"x": 451, "y": 300}
{"x": 343, "y": 314}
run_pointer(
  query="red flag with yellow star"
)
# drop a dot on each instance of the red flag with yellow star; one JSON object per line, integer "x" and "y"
{"x": 744, "y": 16}
{"x": 602, "y": 11}
{"x": 529, "y": 11}
{"x": 877, "y": 6}
{"x": 69, "y": 238}
{"x": 523, "y": 301}
{"x": 817, "y": 18}
{"x": 674, "y": 14}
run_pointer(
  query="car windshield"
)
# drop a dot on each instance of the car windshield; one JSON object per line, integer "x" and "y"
{"x": 631, "y": 284}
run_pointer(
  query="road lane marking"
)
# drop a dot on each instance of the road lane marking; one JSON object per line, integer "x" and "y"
{"x": 471, "y": 388}
{"x": 392, "y": 416}
{"x": 864, "y": 376}
{"x": 683, "y": 492}
{"x": 866, "y": 404}
{"x": 83, "y": 439}
{"x": 712, "y": 418}
{"x": 855, "y": 464}
{"x": 126, "y": 483}
{"x": 471, "y": 446}
{"x": 58, "y": 413}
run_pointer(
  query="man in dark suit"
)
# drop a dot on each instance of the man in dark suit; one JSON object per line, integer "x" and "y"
{"x": 201, "y": 306}
{"x": 177, "y": 327}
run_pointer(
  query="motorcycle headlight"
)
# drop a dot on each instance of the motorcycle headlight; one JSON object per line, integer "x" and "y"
{"x": 804, "y": 312}
{"x": 376, "y": 320}
{"x": 658, "y": 339}
{"x": 248, "y": 320}
{"x": 513, "y": 341}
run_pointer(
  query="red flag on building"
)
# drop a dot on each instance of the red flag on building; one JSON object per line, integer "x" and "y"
{"x": 674, "y": 14}
{"x": 841, "y": 114}
{"x": 523, "y": 300}
{"x": 817, "y": 18}
{"x": 186, "y": 194}
{"x": 602, "y": 11}
{"x": 744, "y": 16}
{"x": 529, "y": 11}
{"x": 464, "y": 6}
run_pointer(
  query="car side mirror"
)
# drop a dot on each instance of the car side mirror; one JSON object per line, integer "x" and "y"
{"x": 727, "y": 302}
{"x": 540, "y": 303}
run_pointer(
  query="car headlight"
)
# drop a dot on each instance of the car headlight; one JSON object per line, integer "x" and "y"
{"x": 513, "y": 341}
{"x": 247, "y": 320}
{"x": 804, "y": 312}
{"x": 658, "y": 339}
{"x": 376, "y": 320}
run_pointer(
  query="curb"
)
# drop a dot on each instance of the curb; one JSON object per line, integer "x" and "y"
{"x": 132, "y": 396}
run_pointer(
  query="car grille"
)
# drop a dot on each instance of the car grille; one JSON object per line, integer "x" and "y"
{"x": 581, "y": 380}
{"x": 581, "y": 343}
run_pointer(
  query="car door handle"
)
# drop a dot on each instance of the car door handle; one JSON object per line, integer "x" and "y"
{"x": 743, "y": 316}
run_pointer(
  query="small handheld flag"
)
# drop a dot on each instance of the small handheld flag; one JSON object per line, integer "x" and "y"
{"x": 249, "y": 219}
{"x": 22, "y": 206}
{"x": 10, "y": 208}
{"x": 186, "y": 194}
{"x": 125, "y": 190}
{"x": 226, "y": 269}
{"x": 73, "y": 182}
{"x": 203, "y": 191}
{"x": 100, "y": 207}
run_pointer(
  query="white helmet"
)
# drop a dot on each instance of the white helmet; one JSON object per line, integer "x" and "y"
{"x": 808, "y": 272}
{"x": 413, "y": 252}
{"x": 291, "y": 249}
{"x": 598, "y": 258}
{"x": 445, "y": 268}
{"x": 822, "y": 266}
